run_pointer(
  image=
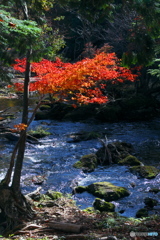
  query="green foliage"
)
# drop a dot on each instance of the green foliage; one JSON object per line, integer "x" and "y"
{"x": 17, "y": 36}
{"x": 23, "y": 33}
{"x": 155, "y": 72}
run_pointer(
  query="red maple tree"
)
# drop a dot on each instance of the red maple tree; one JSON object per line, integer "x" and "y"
{"x": 82, "y": 82}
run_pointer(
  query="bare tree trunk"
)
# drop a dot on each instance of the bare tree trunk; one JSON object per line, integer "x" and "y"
{"x": 21, "y": 148}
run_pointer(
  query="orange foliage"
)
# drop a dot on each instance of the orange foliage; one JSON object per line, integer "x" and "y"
{"x": 19, "y": 127}
{"x": 83, "y": 81}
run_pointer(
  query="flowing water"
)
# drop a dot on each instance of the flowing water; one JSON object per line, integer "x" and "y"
{"x": 54, "y": 158}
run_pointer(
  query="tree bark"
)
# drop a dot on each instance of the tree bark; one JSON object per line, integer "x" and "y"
{"x": 21, "y": 147}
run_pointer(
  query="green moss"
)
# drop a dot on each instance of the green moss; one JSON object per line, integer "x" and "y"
{"x": 78, "y": 164}
{"x": 89, "y": 210}
{"x": 102, "y": 205}
{"x": 44, "y": 197}
{"x": 107, "y": 191}
{"x": 54, "y": 195}
{"x": 145, "y": 171}
{"x": 130, "y": 161}
{"x": 88, "y": 162}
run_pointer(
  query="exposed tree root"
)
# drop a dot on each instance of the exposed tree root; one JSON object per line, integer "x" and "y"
{"x": 14, "y": 209}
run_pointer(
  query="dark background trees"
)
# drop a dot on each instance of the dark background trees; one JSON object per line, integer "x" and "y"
{"x": 130, "y": 27}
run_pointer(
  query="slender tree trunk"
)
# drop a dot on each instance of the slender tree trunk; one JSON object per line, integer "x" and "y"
{"x": 21, "y": 149}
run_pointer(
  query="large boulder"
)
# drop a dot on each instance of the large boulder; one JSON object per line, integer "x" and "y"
{"x": 105, "y": 190}
{"x": 145, "y": 171}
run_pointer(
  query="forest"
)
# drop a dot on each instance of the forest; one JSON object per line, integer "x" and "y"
{"x": 94, "y": 64}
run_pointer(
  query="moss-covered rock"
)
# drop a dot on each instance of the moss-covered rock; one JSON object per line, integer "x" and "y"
{"x": 39, "y": 132}
{"x": 87, "y": 163}
{"x": 130, "y": 160}
{"x": 145, "y": 171}
{"x": 107, "y": 191}
{"x": 143, "y": 212}
{"x": 103, "y": 206}
{"x": 54, "y": 195}
{"x": 150, "y": 202}
{"x": 118, "y": 151}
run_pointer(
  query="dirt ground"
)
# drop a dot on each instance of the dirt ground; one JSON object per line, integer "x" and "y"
{"x": 62, "y": 219}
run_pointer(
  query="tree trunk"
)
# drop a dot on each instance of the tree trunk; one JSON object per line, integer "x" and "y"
{"x": 21, "y": 148}
{"x": 13, "y": 205}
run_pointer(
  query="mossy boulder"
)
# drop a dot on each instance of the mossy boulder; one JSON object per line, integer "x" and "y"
{"x": 118, "y": 151}
{"x": 87, "y": 163}
{"x": 145, "y": 171}
{"x": 54, "y": 195}
{"x": 143, "y": 212}
{"x": 150, "y": 202}
{"x": 39, "y": 132}
{"x": 130, "y": 160}
{"x": 107, "y": 191}
{"x": 103, "y": 206}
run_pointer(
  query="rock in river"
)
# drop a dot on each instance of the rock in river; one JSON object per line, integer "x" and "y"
{"x": 145, "y": 171}
{"x": 105, "y": 190}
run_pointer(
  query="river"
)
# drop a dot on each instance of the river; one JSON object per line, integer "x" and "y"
{"x": 54, "y": 157}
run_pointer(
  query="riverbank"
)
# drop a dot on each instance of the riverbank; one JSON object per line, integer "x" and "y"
{"x": 76, "y": 224}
